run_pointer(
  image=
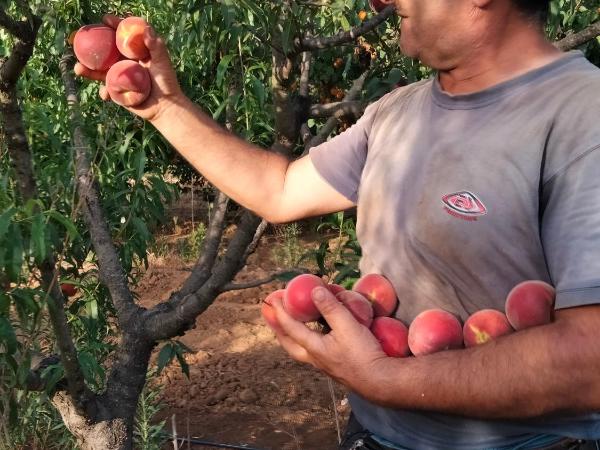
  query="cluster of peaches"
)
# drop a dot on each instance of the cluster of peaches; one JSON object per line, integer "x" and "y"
{"x": 117, "y": 53}
{"x": 373, "y": 300}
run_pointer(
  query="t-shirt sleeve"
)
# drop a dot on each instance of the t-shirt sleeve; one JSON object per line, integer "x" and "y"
{"x": 340, "y": 161}
{"x": 571, "y": 230}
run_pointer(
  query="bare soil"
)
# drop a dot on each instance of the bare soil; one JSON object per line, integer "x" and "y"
{"x": 243, "y": 388}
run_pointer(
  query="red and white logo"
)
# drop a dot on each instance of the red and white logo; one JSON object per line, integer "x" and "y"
{"x": 464, "y": 205}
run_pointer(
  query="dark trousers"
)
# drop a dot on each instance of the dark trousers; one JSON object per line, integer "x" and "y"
{"x": 356, "y": 437}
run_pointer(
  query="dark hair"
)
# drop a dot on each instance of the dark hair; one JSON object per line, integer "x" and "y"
{"x": 536, "y": 9}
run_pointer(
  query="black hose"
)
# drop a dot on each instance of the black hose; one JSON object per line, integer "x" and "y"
{"x": 214, "y": 444}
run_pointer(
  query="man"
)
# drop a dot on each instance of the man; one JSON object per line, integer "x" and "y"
{"x": 508, "y": 127}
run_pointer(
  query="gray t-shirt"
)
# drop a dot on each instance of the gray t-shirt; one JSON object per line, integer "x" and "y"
{"x": 449, "y": 210}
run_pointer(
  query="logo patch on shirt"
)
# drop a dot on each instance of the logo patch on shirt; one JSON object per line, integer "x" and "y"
{"x": 464, "y": 205}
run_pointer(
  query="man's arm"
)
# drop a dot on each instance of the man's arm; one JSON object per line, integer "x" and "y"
{"x": 262, "y": 181}
{"x": 257, "y": 179}
{"x": 543, "y": 370}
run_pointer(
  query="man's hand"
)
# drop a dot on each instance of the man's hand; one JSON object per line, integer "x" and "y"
{"x": 165, "y": 87}
{"x": 542, "y": 370}
{"x": 349, "y": 353}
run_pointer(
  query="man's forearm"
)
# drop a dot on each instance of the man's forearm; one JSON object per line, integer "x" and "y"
{"x": 251, "y": 176}
{"x": 534, "y": 372}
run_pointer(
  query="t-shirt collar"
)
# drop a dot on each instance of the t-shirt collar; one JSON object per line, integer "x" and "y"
{"x": 492, "y": 94}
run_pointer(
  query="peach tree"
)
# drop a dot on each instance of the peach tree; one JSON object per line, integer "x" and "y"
{"x": 83, "y": 184}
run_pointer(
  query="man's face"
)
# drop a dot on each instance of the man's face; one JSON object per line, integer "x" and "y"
{"x": 434, "y": 31}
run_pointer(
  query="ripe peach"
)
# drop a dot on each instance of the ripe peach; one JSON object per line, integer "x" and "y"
{"x": 392, "y": 335}
{"x": 380, "y": 292}
{"x": 359, "y": 306}
{"x": 268, "y": 312}
{"x": 298, "y": 298}
{"x": 128, "y": 83}
{"x": 68, "y": 289}
{"x": 529, "y": 304}
{"x": 362, "y": 15}
{"x": 335, "y": 288}
{"x": 434, "y": 330}
{"x": 485, "y": 325}
{"x": 130, "y": 38}
{"x": 95, "y": 47}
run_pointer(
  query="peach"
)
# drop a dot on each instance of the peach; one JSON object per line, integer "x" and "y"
{"x": 335, "y": 288}
{"x": 298, "y": 298}
{"x": 359, "y": 306}
{"x": 68, "y": 289}
{"x": 268, "y": 312}
{"x": 128, "y": 83}
{"x": 380, "y": 292}
{"x": 530, "y": 304}
{"x": 95, "y": 47}
{"x": 392, "y": 335}
{"x": 130, "y": 38}
{"x": 485, "y": 325}
{"x": 434, "y": 330}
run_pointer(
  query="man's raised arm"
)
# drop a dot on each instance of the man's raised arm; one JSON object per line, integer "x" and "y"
{"x": 262, "y": 181}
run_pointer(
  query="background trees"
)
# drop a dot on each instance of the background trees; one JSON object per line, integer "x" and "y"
{"x": 84, "y": 185}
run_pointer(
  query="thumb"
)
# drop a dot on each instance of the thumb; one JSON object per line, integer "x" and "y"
{"x": 338, "y": 317}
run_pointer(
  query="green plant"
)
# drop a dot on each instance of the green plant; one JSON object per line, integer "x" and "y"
{"x": 289, "y": 251}
{"x": 189, "y": 248}
{"x": 148, "y": 434}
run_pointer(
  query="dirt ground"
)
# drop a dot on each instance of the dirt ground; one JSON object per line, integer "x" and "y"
{"x": 243, "y": 388}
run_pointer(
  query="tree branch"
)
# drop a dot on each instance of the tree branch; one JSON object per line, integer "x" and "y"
{"x": 173, "y": 318}
{"x": 252, "y": 284}
{"x": 111, "y": 270}
{"x": 575, "y": 40}
{"x": 318, "y": 43}
{"x": 210, "y": 248}
{"x": 13, "y": 130}
{"x": 330, "y": 125}
{"x": 25, "y": 33}
{"x": 353, "y": 109}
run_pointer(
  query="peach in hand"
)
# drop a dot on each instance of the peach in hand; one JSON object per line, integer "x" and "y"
{"x": 95, "y": 47}
{"x": 359, "y": 306}
{"x": 379, "y": 291}
{"x": 530, "y": 304}
{"x": 298, "y": 301}
{"x": 268, "y": 311}
{"x": 434, "y": 330}
{"x": 484, "y": 326}
{"x": 128, "y": 83}
{"x": 130, "y": 38}
{"x": 392, "y": 335}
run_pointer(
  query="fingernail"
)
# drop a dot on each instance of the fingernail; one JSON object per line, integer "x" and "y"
{"x": 151, "y": 32}
{"x": 319, "y": 294}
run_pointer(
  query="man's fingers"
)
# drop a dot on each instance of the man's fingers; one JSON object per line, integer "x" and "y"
{"x": 296, "y": 330}
{"x": 338, "y": 317}
{"x": 111, "y": 20}
{"x": 83, "y": 71}
{"x": 295, "y": 350}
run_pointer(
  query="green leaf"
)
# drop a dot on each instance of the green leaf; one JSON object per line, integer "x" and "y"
{"x": 185, "y": 368}
{"x": 5, "y": 218}
{"x": 286, "y": 276}
{"x": 7, "y": 336}
{"x": 65, "y": 222}
{"x": 166, "y": 355}
{"x": 38, "y": 238}
{"x": 222, "y": 68}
